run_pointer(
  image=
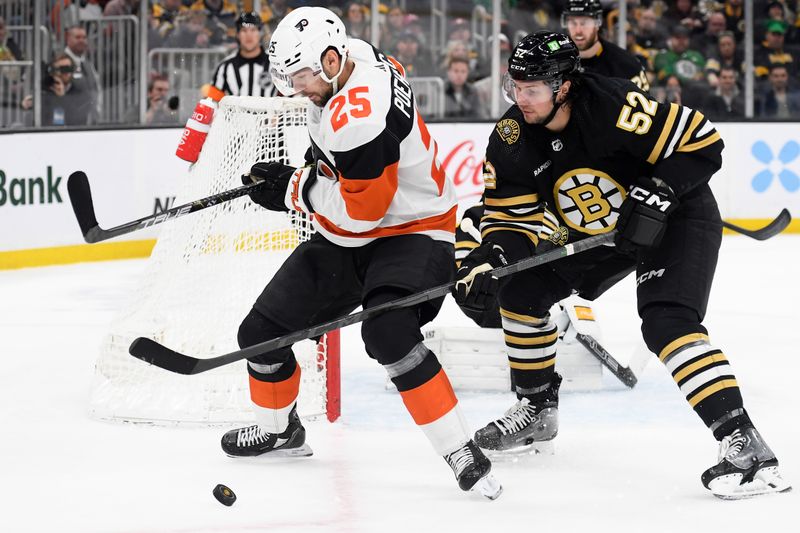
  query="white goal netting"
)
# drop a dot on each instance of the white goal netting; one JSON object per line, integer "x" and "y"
{"x": 203, "y": 276}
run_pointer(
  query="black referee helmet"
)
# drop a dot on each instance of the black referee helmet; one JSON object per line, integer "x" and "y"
{"x": 248, "y": 18}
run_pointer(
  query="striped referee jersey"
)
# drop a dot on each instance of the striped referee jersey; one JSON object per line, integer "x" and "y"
{"x": 239, "y": 76}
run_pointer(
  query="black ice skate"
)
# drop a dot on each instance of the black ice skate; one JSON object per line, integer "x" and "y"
{"x": 527, "y": 427}
{"x": 746, "y": 468}
{"x": 251, "y": 441}
{"x": 472, "y": 470}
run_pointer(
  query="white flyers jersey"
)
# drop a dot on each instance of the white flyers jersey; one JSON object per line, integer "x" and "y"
{"x": 376, "y": 163}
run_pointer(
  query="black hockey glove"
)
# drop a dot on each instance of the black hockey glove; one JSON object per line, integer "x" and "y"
{"x": 643, "y": 216}
{"x": 276, "y": 178}
{"x": 476, "y": 287}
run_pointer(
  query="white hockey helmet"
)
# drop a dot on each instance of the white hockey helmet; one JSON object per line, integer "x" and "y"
{"x": 299, "y": 42}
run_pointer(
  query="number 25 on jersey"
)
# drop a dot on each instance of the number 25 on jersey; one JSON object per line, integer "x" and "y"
{"x": 359, "y": 107}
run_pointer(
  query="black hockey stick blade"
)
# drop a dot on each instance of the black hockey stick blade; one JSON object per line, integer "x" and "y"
{"x": 159, "y": 355}
{"x": 624, "y": 374}
{"x": 780, "y": 223}
{"x": 80, "y": 196}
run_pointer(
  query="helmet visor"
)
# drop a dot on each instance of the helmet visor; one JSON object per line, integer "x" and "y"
{"x": 291, "y": 84}
{"x": 529, "y": 92}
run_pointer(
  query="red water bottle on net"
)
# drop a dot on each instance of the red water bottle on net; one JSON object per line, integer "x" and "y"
{"x": 196, "y": 130}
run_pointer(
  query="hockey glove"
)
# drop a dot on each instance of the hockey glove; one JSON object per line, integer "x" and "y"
{"x": 643, "y": 216}
{"x": 275, "y": 177}
{"x": 476, "y": 288}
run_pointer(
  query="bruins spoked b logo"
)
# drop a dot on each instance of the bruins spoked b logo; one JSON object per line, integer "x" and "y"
{"x": 588, "y": 200}
{"x": 508, "y": 129}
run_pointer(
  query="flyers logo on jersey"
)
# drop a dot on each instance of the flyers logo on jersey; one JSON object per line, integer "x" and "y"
{"x": 508, "y": 130}
{"x": 325, "y": 171}
{"x": 588, "y": 200}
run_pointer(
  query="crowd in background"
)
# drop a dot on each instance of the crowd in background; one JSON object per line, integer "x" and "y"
{"x": 691, "y": 50}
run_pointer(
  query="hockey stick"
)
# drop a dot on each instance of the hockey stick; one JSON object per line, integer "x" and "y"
{"x": 770, "y": 230}
{"x": 156, "y": 354}
{"x": 80, "y": 195}
{"x": 625, "y": 374}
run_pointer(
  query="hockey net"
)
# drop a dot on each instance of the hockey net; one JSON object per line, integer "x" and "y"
{"x": 203, "y": 277}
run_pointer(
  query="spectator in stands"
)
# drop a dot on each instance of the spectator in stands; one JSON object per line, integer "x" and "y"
{"x": 526, "y": 16}
{"x": 273, "y": 12}
{"x": 684, "y": 13}
{"x": 726, "y": 102}
{"x": 679, "y": 59}
{"x": 407, "y": 52}
{"x": 777, "y": 11}
{"x": 190, "y": 33}
{"x": 772, "y": 52}
{"x": 779, "y": 100}
{"x": 115, "y": 8}
{"x": 413, "y": 24}
{"x": 393, "y": 27}
{"x": 9, "y": 49}
{"x": 706, "y": 42}
{"x": 356, "y": 21}
{"x": 220, "y": 19}
{"x": 62, "y": 105}
{"x": 726, "y": 55}
{"x": 484, "y": 86}
{"x": 460, "y": 97}
{"x": 165, "y": 19}
{"x": 459, "y": 44}
{"x": 85, "y": 78}
{"x": 734, "y": 16}
{"x": 671, "y": 92}
{"x": 160, "y": 109}
{"x": 649, "y": 34}
{"x": 612, "y": 17}
{"x": 92, "y": 9}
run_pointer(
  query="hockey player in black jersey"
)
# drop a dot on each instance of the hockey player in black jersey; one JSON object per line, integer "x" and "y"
{"x": 583, "y": 20}
{"x": 580, "y": 155}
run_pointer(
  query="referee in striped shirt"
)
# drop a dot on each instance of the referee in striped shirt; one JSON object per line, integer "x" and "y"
{"x": 246, "y": 72}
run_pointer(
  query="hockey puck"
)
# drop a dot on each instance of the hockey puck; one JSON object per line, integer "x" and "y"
{"x": 224, "y": 495}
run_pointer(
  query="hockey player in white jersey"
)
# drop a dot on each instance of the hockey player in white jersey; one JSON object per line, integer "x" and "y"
{"x": 385, "y": 219}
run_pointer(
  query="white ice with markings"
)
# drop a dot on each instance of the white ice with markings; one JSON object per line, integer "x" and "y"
{"x": 625, "y": 460}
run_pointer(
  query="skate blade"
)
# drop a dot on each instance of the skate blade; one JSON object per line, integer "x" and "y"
{"x": 303, "y": 451}
{"x": 766, "y": 481}
{"x": 513, "y": 455}
{"x": 488, "y": 487}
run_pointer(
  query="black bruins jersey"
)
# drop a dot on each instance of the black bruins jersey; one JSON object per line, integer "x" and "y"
{"x": 613, "y": 61}
{"x": 568, "y": 185}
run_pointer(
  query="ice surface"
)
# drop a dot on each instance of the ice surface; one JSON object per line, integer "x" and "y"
{"x": 626, "y": 460}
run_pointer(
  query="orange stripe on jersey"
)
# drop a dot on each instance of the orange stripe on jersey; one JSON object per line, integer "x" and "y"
{"x": 275, "y": 395}
{"x": 431, "y": 400}
{"x": 443, "y": 222}
{"x": 397, "y": 65}
{"x": 423, "y": 131}
{"x": 370, "y": 199}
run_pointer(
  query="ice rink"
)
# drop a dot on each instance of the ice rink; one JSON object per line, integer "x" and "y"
{"x": 625, "y": 460}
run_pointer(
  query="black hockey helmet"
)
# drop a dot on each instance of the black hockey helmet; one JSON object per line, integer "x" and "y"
{"x": 250, "y": 18}
{"x": 582, "y": 8}
{"x": 543, "y": 55}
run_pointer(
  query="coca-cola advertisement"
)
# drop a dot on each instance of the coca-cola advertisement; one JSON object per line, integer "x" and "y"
{"x": 462, "y": 148}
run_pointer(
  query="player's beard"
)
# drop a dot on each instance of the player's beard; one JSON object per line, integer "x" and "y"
{"x": 325, "y": 97}
{"x": 589, "y": 41}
